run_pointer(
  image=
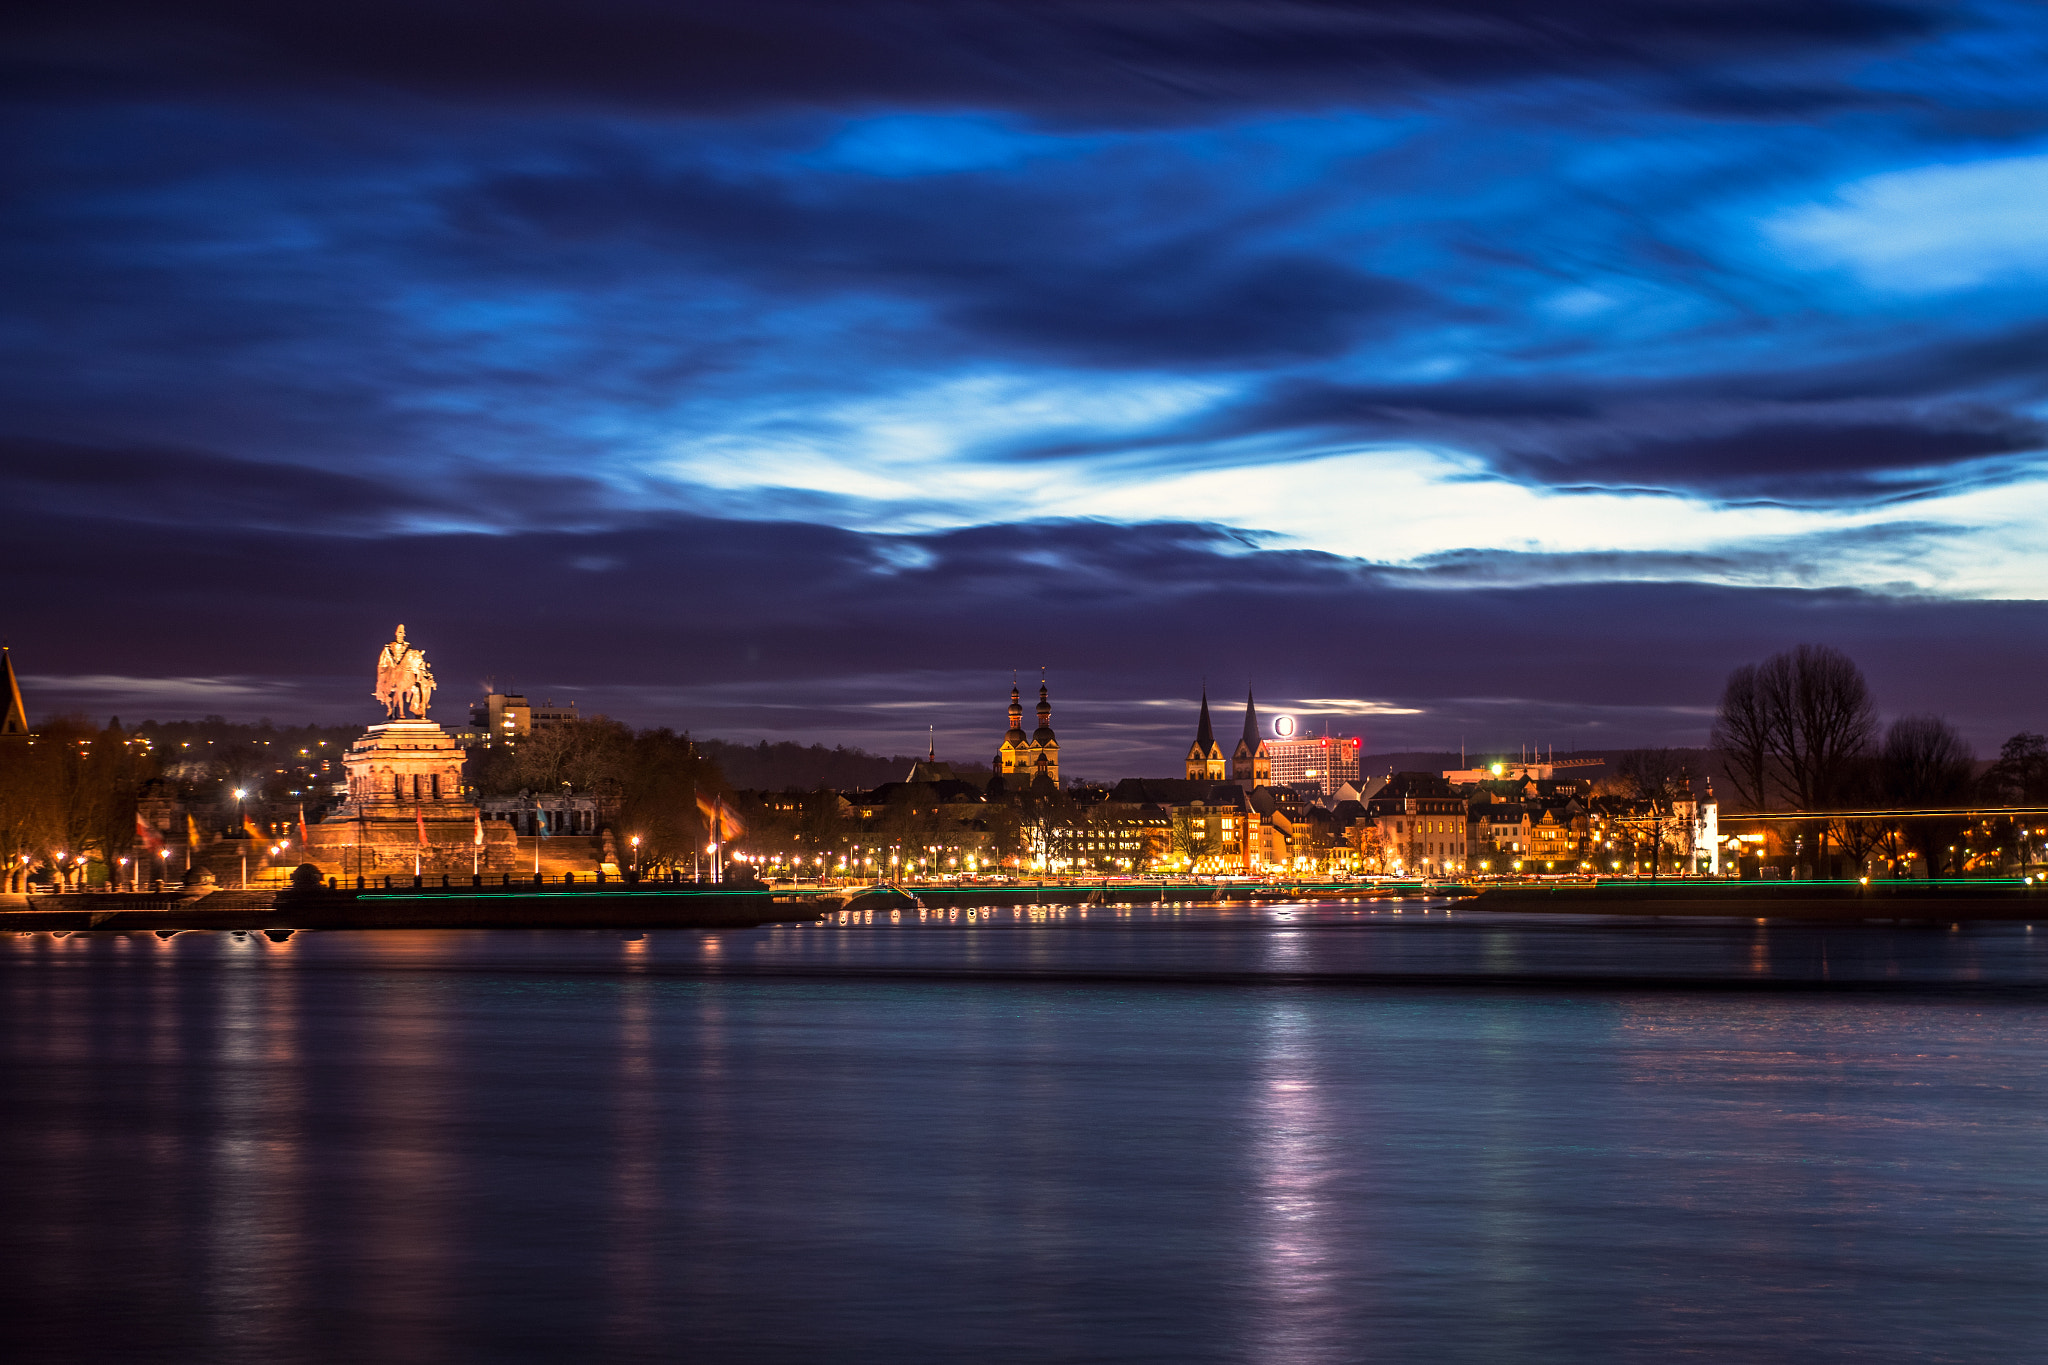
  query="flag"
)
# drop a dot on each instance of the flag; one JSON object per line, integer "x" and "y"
{"x": 719, "y": 818}
{"x": 191, "y": 831}
{"x": 421, "y": 821}
{"x": 540, "y": 821}
{"x": 304, "y": 838}
{"x": 146, "y": 833}
{"x": 249, "y": 828}
{"x": 479, "y": 829}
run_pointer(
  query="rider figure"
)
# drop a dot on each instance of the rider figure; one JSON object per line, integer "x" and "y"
{"x": 403, "y": 678}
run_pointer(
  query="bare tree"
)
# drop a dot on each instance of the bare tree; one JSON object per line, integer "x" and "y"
{"x": 1820, "y": 717}
{"x": 1365, "y": 836}
{"x": 1799, "y": 722}
{"x": 1655, "y": 778}
{"x": 2020, "y": 777}
{"x": 1924, "y": 763}
{"x": 1742, "y": 732}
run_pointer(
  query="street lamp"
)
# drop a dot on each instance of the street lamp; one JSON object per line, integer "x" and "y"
{"x": 636, "y": 856}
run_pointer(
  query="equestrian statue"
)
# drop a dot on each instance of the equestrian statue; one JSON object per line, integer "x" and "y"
{"x": 404, "y": 682}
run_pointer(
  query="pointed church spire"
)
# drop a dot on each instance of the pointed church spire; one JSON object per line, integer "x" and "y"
{"x": 14, "y": 721}
{"x": 1251, "y": 722}
{"x": 1205, "y": 733}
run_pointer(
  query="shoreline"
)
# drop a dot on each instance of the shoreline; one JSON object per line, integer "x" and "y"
{"x": 667, "y": 905}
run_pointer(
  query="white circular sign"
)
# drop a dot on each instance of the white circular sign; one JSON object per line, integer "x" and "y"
{"x": 1283, "y": 726}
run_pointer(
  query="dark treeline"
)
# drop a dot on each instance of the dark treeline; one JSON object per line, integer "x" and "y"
{"x": 69, "y": 795}
{"x": 1799, "y": 732}
{"x": 652, "y": 782}
{"x": 657, "y": 785}
{"x": 796, "y": 767}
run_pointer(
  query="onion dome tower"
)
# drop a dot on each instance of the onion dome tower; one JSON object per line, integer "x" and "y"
{"x": 1045, "y": 747}
{"x": 1013, "y": 756}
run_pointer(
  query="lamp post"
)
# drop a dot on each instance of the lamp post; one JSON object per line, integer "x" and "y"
{"x": 239, "y": 823}
{"x": 636, "y": 857}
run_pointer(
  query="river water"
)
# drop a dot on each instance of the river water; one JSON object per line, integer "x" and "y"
{"x": 1291, "y": 1133}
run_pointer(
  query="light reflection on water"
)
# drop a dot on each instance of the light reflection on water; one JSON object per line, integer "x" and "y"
{"x": 1275, "y": 1134}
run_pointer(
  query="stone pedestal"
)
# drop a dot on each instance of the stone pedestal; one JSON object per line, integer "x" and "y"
{"x": 406, "y": 806}
{"x": 400, "y": 766}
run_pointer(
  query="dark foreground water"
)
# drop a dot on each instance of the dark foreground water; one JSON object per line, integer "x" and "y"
{"x": 1308, "y": 1134}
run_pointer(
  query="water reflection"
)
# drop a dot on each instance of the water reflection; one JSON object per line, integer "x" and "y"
{"x": 1301, "y": 1270}
{"x": 256, "y": 1245}
{"x": 409, "y": 1097}
{"x": 632, "y": 1282}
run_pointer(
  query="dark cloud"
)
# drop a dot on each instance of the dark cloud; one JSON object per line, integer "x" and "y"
{"x": 196, "y": 488}
{"x": 1021, "y": 268}
{"x": 1812, "y": 462}
{"x": 1730, "y": 437}
{"x": 188, "y": 487}
{"x": 1080, "y": 58}
{"x": 1808, "y": 559}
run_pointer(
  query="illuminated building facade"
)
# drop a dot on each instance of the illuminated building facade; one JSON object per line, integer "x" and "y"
{"x": 1423, "y": 825}
{"x": 502, "y": 715}
{"x": 1026, "y": 758}
{"x": 1319, "y": 765}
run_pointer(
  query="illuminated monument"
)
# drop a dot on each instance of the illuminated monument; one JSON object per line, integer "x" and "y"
{"x": 406, "y": 807}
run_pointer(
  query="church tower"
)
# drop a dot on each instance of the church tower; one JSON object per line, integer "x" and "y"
{"x": 1026, "y": 758}
{"x": 1045, "y": 749}
{"x": 1205, "y": 755}
{"x": 14, "y": 721}
{"x": 1011, "y": 757}
{"x": 1251, "y": 764}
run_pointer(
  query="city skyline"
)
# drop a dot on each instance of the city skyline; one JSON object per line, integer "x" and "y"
{"x": 1487, "y": 380}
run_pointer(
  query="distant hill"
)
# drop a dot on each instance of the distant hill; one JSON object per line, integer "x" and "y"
{"x": 1699, "y": 762}
{"x": 778, "y": 767}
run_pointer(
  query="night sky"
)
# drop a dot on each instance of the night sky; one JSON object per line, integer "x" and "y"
{"x": 1488, "y": 372}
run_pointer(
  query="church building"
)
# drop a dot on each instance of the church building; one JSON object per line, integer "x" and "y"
{"x": 1250, "y": 765}
{"x": 1024, "y": 759}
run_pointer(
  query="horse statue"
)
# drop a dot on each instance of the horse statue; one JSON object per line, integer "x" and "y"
{"x": 404, "y": 682}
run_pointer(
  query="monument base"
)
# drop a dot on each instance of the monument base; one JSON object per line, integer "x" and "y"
{"x": 407, "y": 810}
{"x": 434, "y": 845}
